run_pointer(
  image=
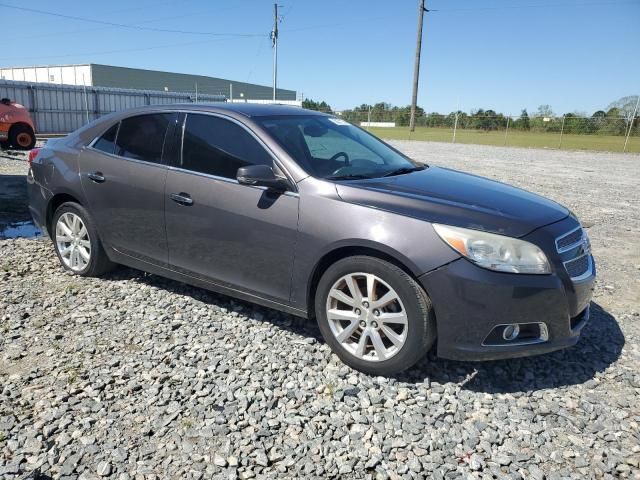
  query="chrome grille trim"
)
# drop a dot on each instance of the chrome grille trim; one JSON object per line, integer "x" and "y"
{"x": 566, "y": 248}
{"x": 587, "y": 273}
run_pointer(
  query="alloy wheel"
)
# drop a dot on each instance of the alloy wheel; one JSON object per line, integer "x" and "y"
{"x": 367, "y": 316}
{"x": 73, "y": 242}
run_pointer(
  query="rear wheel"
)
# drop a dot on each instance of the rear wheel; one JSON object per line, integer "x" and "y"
{"x": 22, "y": 137}
{"x": 77, "y": 243}
{"x": 374, "y": 316}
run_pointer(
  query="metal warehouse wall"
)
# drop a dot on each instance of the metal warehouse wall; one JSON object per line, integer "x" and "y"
{"x": 59, "y": 74}
{"x": 122, "y": 77}
{"x": 64, "y": 108}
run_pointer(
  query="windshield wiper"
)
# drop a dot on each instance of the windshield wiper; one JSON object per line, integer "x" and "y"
{"x": 403, "y": 170}
{"x": 348, "y": 177}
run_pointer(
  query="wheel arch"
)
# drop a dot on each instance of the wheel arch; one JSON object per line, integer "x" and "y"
{"x": 55, "y": 201}
{"x": 339, "y": 252}
{"x": 21, "y": 124}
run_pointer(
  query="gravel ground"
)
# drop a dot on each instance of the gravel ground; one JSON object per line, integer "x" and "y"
{"x": 134, "y": 376}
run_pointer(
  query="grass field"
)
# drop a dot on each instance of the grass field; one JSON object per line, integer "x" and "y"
{"x": 606, "y": 143}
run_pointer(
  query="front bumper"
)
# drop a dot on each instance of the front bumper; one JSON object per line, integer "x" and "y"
{"x": 4, "y": 131}
{"x": 471, "y": 302}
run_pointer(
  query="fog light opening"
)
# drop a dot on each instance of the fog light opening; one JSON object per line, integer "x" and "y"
{"x": 511, "y": 332}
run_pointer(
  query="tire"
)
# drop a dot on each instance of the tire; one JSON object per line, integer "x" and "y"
{"x": 97, "y": 262}
{"x": 22, "y": 137}
{"x": 409, "y": 320}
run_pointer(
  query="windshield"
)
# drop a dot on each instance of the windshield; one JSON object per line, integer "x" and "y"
{"x": 331, "y": 148}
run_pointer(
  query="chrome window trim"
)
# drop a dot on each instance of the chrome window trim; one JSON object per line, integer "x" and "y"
{"x": 136, "y": 160}
{"x": 274, "y": 157}
{"x": 588, "y": 272}
{"x": 573, "y": 245}
{"x": 225, "y": 179}
{"x": 127, "y": 159}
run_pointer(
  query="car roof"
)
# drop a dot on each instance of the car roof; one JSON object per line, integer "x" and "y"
{"x": 246, "y": 109}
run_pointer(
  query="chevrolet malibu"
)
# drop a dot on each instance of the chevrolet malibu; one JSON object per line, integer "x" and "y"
{"x": 305, "y": 213}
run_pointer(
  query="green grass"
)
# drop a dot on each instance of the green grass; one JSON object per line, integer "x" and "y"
{"x": 515, "y": 138}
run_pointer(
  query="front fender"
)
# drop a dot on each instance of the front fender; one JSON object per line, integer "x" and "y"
{"x": 327, "y": 223}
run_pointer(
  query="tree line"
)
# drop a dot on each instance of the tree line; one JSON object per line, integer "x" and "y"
{"x": 615, "y": 120}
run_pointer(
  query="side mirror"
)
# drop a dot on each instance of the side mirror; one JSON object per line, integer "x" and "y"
{"x": 261, "y": 176}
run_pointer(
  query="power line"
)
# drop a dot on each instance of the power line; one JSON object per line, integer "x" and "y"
{"x": 446, "y": 10}
{"x": 539, "y": 5}
{"x": 124, "y": 25}
{"x": 86, "y": 30}
{"x": 125, "y": 50}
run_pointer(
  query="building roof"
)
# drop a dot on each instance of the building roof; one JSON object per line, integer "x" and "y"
{"x": 103, "y": 75}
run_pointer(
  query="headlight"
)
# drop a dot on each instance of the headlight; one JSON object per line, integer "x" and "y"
{"x": 495, "y": 252}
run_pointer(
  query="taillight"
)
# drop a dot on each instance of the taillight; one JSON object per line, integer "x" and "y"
{"x": 32, "y": 155}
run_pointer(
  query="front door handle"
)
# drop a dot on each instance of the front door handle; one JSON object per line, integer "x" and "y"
{"x": 97, "y": 177}
{"x": 181, "y": 198}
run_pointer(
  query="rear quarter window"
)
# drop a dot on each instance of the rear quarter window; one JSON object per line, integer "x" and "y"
{"x": 107, "y": 142}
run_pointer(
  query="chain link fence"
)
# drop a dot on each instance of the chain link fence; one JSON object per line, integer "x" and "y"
{"x": 570, "y": 132}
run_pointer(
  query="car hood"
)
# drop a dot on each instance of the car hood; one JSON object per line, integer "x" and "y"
{"x": 440, "y": 195}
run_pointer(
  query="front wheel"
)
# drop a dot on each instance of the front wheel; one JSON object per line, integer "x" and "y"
{"x": 374, "y": 315}
{"x": 77, "y": 243}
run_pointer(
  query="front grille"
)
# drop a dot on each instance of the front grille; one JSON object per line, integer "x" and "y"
{"x": 578, "y": 266}
{"x": 576, "y": 244}
{"x": 569, "y": 240}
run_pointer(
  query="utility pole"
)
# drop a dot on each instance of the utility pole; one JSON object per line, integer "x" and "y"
{"x": 416, "y": 68}
{"x": 633, "y": 117}
{"x": 455, "y": 129}
{"x": 506, "y": 132}
{"x": 274, "y": 45}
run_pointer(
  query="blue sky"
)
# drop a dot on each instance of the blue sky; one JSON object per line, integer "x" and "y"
{"x": 576, "y": 55}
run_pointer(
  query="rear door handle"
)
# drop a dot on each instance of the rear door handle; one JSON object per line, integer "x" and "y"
{"x": 97, "y": 177}
{"x": 181, "y": 198}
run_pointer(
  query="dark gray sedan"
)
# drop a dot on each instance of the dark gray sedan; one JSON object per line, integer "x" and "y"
{"x": 306, "y": 213}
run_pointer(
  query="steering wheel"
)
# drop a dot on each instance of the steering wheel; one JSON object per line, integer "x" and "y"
{"x": 341, "y": 154}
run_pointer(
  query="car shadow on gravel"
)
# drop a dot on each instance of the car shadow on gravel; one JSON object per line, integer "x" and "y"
{"x": 297, "y": 325}
{"x": 600, "y": 346}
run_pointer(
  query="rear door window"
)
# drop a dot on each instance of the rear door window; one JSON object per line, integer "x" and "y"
{"x": 219, "y": 147}
{"x": 143, "y": 137}
{"x": 107, "y": 142}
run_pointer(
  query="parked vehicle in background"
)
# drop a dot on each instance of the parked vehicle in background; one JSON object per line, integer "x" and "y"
{"x": 306, "y": 213}
{"x": 16, "y": 127}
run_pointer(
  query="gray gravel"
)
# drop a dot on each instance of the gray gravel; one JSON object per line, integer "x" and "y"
{"x": 135, "y": 376}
